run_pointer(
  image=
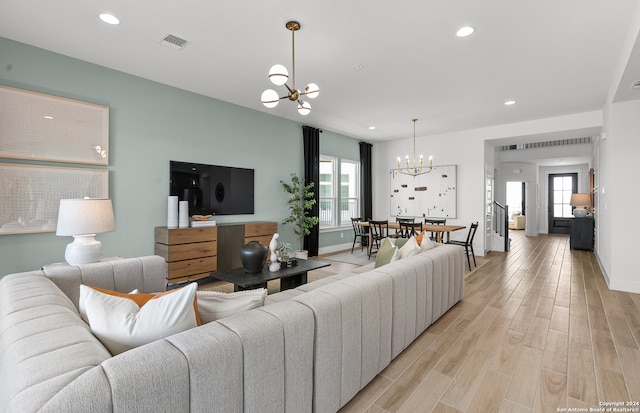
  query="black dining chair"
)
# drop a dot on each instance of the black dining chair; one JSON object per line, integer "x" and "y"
{"x": 468, "y": 244}
{"x": 400, "y": 221}
{"x": 409, "y": 229}
{"x": 359, "y": 233}
{"x": 379, "y": 231}
{"x": 433, "y": 235}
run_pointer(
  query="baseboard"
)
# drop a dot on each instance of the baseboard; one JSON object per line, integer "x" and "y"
{"x": 618, "y": 285}
{"x": 335, "y": 248}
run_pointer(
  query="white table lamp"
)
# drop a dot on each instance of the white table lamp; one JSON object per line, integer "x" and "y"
{"x": 83, "y": 219}
{"x": 580, "y": 202}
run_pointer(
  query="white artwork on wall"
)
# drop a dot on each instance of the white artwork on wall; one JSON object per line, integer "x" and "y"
{"x": 30, "y": 194}
{"x": 50, "y": 128}
{"x": 431, "y": 195}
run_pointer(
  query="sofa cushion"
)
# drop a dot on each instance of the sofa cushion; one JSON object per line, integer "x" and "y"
{"x": 409, "y": 248}
{"x": 121, "y": 323}
{"x": 426, "y": 243}
{"x": 387, "y": 253}
{"x": 214, "y": 305}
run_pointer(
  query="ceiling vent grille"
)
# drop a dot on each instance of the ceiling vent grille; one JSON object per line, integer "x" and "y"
{"x": 545, "y": 144}
{"x": 174, "y": 42}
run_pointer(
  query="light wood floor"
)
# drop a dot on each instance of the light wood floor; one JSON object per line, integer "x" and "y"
{"x": 538, "y": 330}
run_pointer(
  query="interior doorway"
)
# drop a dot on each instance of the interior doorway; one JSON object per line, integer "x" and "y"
{"x": 561, "y": 186}
{"x": 516, "y": 197}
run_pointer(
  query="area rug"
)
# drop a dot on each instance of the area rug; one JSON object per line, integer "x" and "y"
{"x": 358, "y": 257}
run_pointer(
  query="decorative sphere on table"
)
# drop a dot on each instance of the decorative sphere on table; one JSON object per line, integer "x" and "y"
{"x": 253, "y": 256}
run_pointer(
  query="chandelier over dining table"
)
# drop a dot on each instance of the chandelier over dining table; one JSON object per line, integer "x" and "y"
{"x": 417, "y": 167}
{"x": 279, "y": 75}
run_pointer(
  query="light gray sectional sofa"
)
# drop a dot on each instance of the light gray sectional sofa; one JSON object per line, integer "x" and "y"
{"x": 307, "y": 350}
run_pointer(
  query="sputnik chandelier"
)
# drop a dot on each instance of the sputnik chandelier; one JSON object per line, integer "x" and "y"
{"x": 416, "y": 169}
{"x": 279, "y": 75}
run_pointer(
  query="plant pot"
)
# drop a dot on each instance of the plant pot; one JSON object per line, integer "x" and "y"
{"x": 302, "y": 254}
{"x": 253, "y": 256}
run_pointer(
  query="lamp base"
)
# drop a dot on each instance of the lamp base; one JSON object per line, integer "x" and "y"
{"x": 580, "y": 212}
{"x": 84, "y": 249}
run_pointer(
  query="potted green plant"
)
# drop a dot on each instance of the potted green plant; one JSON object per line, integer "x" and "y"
{"x": 301, "y": 201}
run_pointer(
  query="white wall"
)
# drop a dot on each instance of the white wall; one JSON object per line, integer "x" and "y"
{"x": 616, "y": 155}
{"x": 529, "y": 174}
{"x": 619, "y": 192}
{"x": 463, "y": 149}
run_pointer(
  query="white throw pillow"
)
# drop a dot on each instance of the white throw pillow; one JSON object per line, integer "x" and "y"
{"x": 83, "y": 311}
{"x": 214, "y": 305}
{"x": 121, "y": 324}
{"x": 426, "y": 244}
{"x": 409, "y": 248}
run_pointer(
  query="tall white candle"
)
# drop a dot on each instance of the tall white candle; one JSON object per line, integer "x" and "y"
{"x": 172, "y": 212}
{"x": 183, "y": 214}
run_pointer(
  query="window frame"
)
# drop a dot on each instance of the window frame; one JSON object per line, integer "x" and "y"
{"x": 336, "y": 199}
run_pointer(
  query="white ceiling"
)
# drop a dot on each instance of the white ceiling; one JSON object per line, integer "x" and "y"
{"x": 554, "y": 57}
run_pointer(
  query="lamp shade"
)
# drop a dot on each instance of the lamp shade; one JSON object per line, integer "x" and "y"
{"x": 304, "y": 108}
{"x": 85, "y": 216}
{"x": 312, "y": 90}
{"x": 270, "y": 98}
{"x": 278, "y": 75}
{"x": 580, "y": 200}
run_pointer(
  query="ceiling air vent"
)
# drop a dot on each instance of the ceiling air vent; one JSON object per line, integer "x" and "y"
{"x": 174, "y": 42}
{"x": 636, "y": 85}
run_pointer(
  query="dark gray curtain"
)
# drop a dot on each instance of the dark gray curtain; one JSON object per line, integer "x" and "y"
{"x": 311, "y": 137}
{"x": 366, "y": 186}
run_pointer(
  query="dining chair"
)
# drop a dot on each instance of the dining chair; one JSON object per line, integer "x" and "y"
{"x": 468, "y": 244}
{"x": 379, "y": 231}
{"x": 359, "y": 232}
{"x": 435, "y": 221}
{"x": 400, "y": 221}
{"x": 409, "y": 229}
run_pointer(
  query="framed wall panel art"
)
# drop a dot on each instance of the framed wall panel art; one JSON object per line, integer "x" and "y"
{"x": 30, "y": 195}
{"x": 432, "y": 195}
{"x": 50, "y": 128}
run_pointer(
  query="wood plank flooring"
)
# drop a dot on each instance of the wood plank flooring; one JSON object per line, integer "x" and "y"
{"x": 538, "y": 330}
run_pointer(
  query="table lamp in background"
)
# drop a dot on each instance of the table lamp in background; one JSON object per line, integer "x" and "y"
{"x": 580, "y": 202}
{"x": 83, "y": 219}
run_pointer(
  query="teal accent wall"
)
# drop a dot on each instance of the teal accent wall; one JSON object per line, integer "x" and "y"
{"x": 151, "y": 124}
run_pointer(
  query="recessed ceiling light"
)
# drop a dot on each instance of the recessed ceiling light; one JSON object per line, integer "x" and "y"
{"x": 358, "y": 67}
{"x": 465, "y": 31}
{"x": 48, "y": 117}
{"x": 510, "y": 102}
{"x": 109, "y": 18}
{"x": 372, "y": 127}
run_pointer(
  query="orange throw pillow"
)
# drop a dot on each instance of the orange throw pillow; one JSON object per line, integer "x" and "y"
{"x": 142, "y": 299}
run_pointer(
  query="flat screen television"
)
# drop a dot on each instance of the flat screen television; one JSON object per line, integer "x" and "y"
{"x": 212, "y": 189}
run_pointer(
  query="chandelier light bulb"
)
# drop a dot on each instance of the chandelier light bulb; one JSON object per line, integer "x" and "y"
{"x": 312, "y": 90}
{"x": 278, "y": 75}
{"x": 304, "y": 108}
{"x": 417, "y": 167}
{"x": 270, "y": 98}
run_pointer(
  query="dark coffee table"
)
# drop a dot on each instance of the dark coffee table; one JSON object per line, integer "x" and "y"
{"x": 290, "y": 277}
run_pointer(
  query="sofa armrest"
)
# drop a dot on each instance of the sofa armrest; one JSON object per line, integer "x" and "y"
{"x": 44, "y": 345}
{"x": 148, "y": 274}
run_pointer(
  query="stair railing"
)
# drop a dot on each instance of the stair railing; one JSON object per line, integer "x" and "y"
{"x": 501, "y": 222}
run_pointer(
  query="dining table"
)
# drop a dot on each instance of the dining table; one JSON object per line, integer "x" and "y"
{"x": 437, "y": 229}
